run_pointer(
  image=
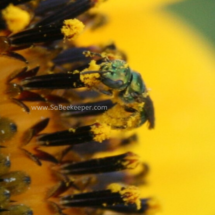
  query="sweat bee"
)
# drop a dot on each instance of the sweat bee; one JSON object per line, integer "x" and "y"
{"x": 109, "y": 76}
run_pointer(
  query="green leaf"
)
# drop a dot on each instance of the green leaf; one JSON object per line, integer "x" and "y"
{"x": 199, "y": 13}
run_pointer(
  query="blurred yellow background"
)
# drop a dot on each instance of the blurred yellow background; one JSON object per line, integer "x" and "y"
{"x": 178, "y": 66}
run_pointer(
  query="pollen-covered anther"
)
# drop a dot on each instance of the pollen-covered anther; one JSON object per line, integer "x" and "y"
{"x": 148, "y": 206}
{"x": 131, "y": 160}
{"x": 101, "y": 132}
{"x": 113, "y": 195}
{"x": 130, "y": 194}
{"x": 72, "y": 28}
{"x": 16, "y": 18}
{"x": 67, "y": 137}
{"x": 91, "y": 79}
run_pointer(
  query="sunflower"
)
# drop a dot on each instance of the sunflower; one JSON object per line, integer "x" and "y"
{"x": 61, "y": 105}
{"x": 175, "y": 62}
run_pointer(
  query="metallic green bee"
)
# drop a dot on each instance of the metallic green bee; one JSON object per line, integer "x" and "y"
{"x": 114, "y": 77}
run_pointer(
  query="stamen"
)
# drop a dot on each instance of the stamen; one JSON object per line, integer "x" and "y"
{"x": 49, "y": 5}
{"x": 129, "y": 194}
{"x": 101, "y": 132}
{"x": 67, "y": 137}
{"x": 115, "y": 194}
{"x": 96, "y": 132}
{"x": 107, "y": 145}
{"x": 53, "y": 81}
{"x": 91, "y": 80}
{"x": 101, "y": 165}
{"x": 4, "y": 3}
{"x": 68, "y": 11}
{"x": 147, "y": 206}
{"x": 71, "y": 55}
{"x": 72, "y": 28}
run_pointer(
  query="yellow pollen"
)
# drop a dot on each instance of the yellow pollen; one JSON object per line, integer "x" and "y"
{"x": 130, "y": 194}
{"x": 16, "y": 18}
{"x": 72, "y": 130}
{"x": 133, "y": 121}
{"x": 110, "y": 55}
{"x": 145, "y": 94}
{"x": 115, "y": 116}
{"x": 75, "y": 72}
{"x": 114, "y": 187}
{"x": 101, "y": 132}
{"x": 131, "y": 161}
{"x": 93, "y": 66}
{"x": 72, "y": 29}
{"x": 118, "y": 117}
{"x": 88, "y": 54}
{"x": 91, "y": 80}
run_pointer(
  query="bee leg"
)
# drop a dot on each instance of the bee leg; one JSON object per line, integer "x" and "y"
{"x": 106, "y": 92}
{"x": 149, "y": 112}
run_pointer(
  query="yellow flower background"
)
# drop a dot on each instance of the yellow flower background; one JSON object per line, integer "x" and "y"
{"x": 178, "y": 66}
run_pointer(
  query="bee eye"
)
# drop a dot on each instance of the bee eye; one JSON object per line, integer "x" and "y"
{"x": 135, "y": 94}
